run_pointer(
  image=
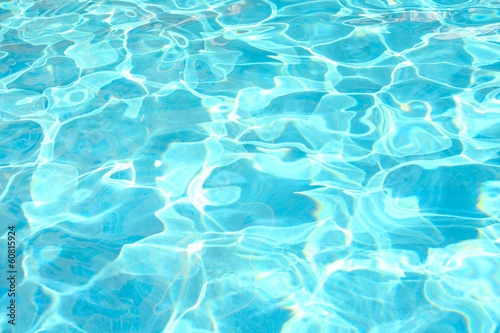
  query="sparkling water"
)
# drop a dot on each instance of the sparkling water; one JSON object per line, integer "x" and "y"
{"x": 263, "y": 166}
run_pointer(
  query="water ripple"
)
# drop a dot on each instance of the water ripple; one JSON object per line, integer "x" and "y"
{"x": 252, "y": 166}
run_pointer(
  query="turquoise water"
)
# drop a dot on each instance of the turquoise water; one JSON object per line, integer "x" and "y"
{"x": 252, "y": 166}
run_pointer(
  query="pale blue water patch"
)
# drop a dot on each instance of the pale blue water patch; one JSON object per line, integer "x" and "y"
{"x": 251, "y": 166}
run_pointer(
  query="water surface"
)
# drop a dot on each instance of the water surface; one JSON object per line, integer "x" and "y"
{"x": 252, "y": 166}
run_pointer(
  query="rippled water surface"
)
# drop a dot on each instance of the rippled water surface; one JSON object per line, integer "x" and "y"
{"x": 251, "y": 166}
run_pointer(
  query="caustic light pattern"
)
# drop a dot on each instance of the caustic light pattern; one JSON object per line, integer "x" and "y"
{"x": 252, "y": 166}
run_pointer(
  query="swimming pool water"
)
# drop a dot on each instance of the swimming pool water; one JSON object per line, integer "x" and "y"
{"x": 262, "y": 166}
